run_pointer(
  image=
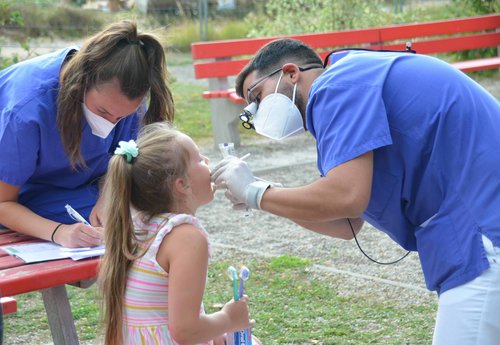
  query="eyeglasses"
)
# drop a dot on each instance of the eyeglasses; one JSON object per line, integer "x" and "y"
{"x": 251, "y": 98}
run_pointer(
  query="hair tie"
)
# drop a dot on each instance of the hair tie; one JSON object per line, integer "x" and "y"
{"x": 136, "y": 41}
{"x": 127, "y": 149}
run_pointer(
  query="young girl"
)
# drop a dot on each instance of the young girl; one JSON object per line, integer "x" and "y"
{"x": 154, "y": 271}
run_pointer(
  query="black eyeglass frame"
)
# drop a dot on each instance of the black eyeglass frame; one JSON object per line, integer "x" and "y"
{"x": 260, "y": 80}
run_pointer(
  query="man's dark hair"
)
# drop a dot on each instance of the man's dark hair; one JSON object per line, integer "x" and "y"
{"x": 275, "y": 54}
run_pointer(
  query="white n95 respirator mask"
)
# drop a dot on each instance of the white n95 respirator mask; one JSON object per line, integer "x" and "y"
{"x": 99, "y": 125}
{"x": 277, "y": 116}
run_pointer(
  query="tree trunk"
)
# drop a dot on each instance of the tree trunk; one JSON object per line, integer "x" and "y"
{"x": 114, "y": 5}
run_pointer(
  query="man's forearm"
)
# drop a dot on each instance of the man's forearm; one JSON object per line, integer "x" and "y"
{"x": 336, "y": 228}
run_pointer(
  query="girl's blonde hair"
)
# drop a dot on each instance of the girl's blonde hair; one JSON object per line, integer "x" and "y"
{"x": 147, "y": 185}
{"x": 136, "y": 60}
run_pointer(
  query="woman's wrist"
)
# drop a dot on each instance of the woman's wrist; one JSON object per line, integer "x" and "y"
{"x": 54, "y": 232}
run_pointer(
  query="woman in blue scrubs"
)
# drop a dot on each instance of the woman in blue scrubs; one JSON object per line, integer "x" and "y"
{"x": 405, "y": 142}
{"x": 61, "y": 117}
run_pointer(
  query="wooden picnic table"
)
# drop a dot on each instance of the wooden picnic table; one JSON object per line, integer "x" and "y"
{"x": 50, "y": 277}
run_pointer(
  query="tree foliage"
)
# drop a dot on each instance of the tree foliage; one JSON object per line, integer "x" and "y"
{"x": 284, "y": 17}
{"x": 9, "y": 17}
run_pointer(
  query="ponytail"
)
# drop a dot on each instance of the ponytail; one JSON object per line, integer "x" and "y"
{"x": 161, "y": 103}
{"x": 120, "y": 251}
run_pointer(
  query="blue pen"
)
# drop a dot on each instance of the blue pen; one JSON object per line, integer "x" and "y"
{"x": 75, "y": 215}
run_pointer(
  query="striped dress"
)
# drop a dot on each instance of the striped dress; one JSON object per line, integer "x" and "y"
{"x": 145, "y": 319}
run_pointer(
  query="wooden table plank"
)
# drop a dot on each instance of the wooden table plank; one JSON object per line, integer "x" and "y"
{"x": 44, "y": 275}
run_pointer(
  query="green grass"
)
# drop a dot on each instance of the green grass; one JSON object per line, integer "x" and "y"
{"x": 291, "y": 305}
{"x": 192, "y": 112}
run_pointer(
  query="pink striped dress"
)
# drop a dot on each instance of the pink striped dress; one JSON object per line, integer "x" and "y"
{"x": 145, "y": 319}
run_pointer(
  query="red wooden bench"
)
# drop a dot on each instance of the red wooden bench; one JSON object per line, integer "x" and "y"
{"x": 9, "y": 305}
{"x": 219, "y": 61}
{"x": 50, "y": 277}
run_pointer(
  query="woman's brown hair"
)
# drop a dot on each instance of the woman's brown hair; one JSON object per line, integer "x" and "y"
{"x": 136, "y": 60}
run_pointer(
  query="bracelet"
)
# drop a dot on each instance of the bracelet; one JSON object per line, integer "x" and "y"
{"x": 54, "y": 232}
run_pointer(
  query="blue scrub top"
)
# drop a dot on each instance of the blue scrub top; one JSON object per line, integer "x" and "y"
{"x": 32, "y": 154}
{"x": 435, "y": 135}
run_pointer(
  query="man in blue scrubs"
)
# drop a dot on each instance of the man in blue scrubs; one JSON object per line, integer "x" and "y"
{"x": 405, "y": 142}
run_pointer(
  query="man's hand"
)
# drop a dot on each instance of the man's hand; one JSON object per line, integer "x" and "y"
{"x": 242, "y": 187}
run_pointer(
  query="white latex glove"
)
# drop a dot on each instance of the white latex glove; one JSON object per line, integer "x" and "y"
{"x": 242, "y": 187}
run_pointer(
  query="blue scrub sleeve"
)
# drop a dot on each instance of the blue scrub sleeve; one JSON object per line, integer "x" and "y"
{"x": 19, "y": 144}
{"x": 347, "y": 121}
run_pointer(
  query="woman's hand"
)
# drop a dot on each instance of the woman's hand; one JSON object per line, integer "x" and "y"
{"x": 79, "y": 235}
{"x": 97, "y": 214}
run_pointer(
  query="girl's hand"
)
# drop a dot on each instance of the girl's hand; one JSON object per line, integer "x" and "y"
{"x": 220, "y": 340}
{"x": 237, "y": 313}
{"x": 78, "y": 235}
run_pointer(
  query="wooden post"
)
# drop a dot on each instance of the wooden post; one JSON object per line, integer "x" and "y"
{"x": 59, "y": 315}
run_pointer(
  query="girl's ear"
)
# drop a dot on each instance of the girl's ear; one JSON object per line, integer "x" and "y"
{"x": 181, "y": 186}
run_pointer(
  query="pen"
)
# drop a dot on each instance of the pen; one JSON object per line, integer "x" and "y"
{"x": 75, "y": 215}
{"x": 245, "y": 156}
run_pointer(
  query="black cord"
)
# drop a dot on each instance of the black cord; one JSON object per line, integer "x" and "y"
{"x": 407, "y": 50}
{"x": 377, "y": 262}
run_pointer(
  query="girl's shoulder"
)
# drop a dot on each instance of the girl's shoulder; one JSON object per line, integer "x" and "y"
{"x": 161, "y": 225}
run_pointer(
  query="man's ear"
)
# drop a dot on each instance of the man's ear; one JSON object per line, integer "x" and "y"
{"x": 291, "y": 71}
{"x": 181, "y": 186}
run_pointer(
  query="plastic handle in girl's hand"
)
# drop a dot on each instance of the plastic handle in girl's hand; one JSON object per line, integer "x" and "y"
{"x": 234, "y": 278}
{"x": 244, "y": 274}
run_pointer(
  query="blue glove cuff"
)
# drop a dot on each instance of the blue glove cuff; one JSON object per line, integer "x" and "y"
{"x": 254, "y": 193}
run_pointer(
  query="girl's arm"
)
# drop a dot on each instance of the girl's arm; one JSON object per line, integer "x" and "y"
{"x": 185, "y": 257}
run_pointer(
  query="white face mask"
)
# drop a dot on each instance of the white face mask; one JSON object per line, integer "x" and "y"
{"x": 99, "y": 125}
{"x": 277, "y": 116}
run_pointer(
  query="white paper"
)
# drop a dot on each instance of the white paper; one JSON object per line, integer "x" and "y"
{"x": 46, "y": 251}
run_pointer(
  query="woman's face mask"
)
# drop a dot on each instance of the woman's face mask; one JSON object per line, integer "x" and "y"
{"x": 277, "y": 116}
{"x": 99, "y": 125}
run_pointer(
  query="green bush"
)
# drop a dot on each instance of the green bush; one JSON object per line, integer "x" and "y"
{"x": 180, "y": 36}
{"x": 285, "y": 17}
{"x": 58, "y": 21}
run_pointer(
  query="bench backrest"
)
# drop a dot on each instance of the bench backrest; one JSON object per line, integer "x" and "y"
{"x": 221, "y": 59}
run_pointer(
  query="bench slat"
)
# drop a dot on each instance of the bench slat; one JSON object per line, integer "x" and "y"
{"x": 232, "y": 48}
{"x": 225, "y": 68}
{"x": 440, "y": 27}
{"x": 13, "y": 237}
{"x": 9, "y": 305}
{"x": 454, "y": 44}
{"x": 20, "y": 280}
{"x": 478, "y": 65}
